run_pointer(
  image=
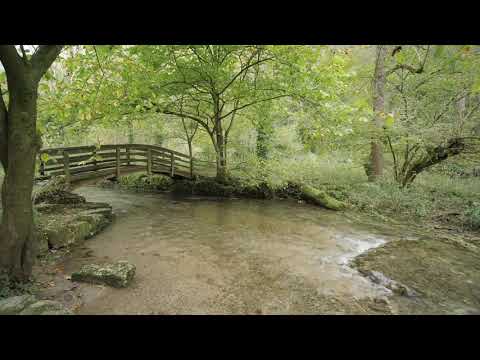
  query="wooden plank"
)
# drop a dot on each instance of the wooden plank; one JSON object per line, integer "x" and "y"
{"x": 81, "y": 169}
{"x": 58, "y": 167}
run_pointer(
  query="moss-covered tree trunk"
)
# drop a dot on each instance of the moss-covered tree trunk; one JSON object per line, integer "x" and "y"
{"x": 19, "y": 144}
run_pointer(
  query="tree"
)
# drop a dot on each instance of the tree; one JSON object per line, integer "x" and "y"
{"x": 19, "y": 143}
{"x": 209, "y": 85}
{"x": 437, "y": 109}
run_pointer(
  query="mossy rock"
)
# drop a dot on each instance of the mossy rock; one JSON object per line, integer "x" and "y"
{"x": 184, "y": 187}
{"x": 15, "y": 304}
{"x": 117, "y": 275}
{"x": 210, "y": 187}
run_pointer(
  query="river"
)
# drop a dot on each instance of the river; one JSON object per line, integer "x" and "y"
{"x": 215, "y": 256}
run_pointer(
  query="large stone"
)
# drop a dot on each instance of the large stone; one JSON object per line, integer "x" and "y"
{"x": 14, "y": 305}
{"x": 81, "y": 223}
{"x": 56, "y": 191}
{"x": 116, "y": 275}
{"x": 45, "y": 307}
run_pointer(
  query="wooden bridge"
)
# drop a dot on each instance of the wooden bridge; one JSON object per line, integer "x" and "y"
{"x": 85, "y": 162}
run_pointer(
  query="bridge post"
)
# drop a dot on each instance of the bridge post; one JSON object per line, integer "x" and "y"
{"x": 42, "y": 166}
{"x": 172, "y": 165}
{"x": 94, "y": 154}
{"x": 117, "y": 153}
{"x": 66, "y": 166}
{"x": 149, "y": 161}
{"x": 128, "y": 155}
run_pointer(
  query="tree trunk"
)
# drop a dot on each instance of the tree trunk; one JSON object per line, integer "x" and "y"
{"x": 376, "y": 154}
{"x": 220, "y": 143}
{"x": 221, "y": 158}
{"x": 19, "y": 138}
{"x": 432, "y": 157}
{"x": 17, "y": 230}
{"x": 190, "y": 153}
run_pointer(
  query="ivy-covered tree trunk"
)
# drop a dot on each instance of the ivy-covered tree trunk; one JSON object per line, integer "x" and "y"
{"x": 263, "y": 137}
{"x": 19, "y": 144}
{"x": 375, "y": 167}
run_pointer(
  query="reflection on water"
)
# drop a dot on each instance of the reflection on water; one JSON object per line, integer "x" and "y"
{"x": 199, "y": 255}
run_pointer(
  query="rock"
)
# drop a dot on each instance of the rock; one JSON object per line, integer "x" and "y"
{"x": 320, "y": 197}
{"x": 394, "y": 286}
{"x": 45, "y": 307}
{"x": 56, "y": 191}
{"x": 14, "y": 305}
{"x": 116, "y": 275}
{"x": 80, "y": 222}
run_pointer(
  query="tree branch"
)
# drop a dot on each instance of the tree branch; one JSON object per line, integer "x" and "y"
{"x": 11, "y": 61}
{"x": 43, "y": 59}
{"x": 253, "y": 103}
{"x": 241, "y": 72}
{"x": 188, "y": 116}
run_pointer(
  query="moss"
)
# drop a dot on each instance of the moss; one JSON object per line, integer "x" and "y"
{"x": 320, "y": 197}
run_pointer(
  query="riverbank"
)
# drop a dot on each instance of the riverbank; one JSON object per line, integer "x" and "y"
{"x": 63, "y": 221}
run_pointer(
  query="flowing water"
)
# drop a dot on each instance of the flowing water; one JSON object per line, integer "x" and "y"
{"x": 212, "y": 256}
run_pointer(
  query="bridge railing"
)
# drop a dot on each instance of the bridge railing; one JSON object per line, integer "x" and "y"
{"x": 88, "y": 161}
